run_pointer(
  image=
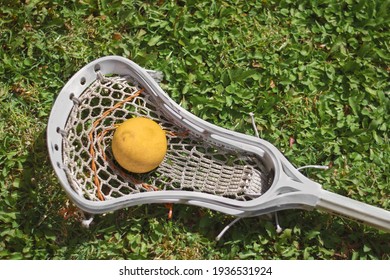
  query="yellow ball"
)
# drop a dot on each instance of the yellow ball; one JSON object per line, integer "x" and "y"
{"x": 139, "y": 145}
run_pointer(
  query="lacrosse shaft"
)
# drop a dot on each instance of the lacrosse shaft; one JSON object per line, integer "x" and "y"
{"x": 354, "y": 210}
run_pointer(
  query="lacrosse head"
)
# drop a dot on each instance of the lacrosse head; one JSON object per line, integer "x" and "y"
{"x": 205, "y": 165}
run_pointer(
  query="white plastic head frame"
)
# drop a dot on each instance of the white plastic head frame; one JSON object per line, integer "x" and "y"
{"x": 290, "y": 189}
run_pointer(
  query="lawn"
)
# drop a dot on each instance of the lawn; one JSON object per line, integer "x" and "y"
{"x": 314, "y": 73}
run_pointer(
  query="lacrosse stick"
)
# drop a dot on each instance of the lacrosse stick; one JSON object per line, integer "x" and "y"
{"x": 205, "y": 165}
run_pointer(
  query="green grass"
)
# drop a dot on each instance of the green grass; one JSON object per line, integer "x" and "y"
{"x": 313, "y": 71}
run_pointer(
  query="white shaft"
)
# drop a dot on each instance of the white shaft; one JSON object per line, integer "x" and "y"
{"x": 354, "y": 210}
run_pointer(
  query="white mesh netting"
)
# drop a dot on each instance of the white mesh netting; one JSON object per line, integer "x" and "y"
{"x": 191, "y": 163}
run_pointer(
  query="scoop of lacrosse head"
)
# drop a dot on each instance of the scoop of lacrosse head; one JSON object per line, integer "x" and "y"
{"x": 205, "y": 165}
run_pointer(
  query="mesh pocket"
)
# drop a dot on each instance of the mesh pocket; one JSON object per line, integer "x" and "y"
{"x": 191, "y": 163}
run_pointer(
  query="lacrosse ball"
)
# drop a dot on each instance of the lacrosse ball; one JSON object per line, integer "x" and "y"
{"x": 139, "y": 145}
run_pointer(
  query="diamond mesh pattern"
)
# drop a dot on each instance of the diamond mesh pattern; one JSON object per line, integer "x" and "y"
{"x": 191, "y": 163}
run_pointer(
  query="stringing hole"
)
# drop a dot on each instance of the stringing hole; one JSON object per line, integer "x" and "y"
{"x": 97, "y": 67}
{"x": 83, "y": 81}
